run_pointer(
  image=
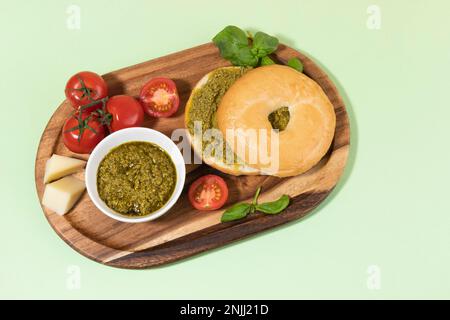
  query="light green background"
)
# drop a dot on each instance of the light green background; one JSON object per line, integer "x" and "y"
{"x": 391, "y": 209}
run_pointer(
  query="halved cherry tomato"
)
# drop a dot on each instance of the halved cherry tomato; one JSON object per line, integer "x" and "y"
{"x": 159, "y": 97}
{"x": 82, "y": 132}
{"x": 209, "y": 192}
{"x": 125, "y": 112}
{"x": 85, "y": 87}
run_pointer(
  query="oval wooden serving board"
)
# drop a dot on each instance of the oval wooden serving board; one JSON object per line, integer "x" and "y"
{"x": 183, "y": 231}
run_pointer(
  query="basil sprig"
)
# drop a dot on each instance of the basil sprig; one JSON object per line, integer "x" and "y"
{"x": 234, "y": 45}
{"x": 241, "y": 210}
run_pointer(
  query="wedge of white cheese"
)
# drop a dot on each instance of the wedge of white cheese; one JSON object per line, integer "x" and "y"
{"x": 59, "y": 166}
{"x": 61, "y": 195}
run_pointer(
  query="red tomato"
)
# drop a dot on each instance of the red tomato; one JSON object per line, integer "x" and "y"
{"x": 125, "y": 112}
{"x": 160, "y": 98}
{"x": 82, "y": 132}
{"x": 84, "y": 88}
{"x": 209, "y": 192}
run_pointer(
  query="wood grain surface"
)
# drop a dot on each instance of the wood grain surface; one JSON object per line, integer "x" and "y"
{"x": 183, "y": 231}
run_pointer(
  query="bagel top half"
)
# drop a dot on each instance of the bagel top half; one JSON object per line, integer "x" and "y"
{"x": 282, "y": 105}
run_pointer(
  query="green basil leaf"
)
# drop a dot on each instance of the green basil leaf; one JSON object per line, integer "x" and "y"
{"x": 238, "y": 211}
{"x": 264, "y": 44}
{"x": 233, "y": 46}
{"x": 274, "y": 207}
{"x": 266, "y": 61}
{"x": 244, "y": 57}
{"x": 296, "y": 64}
{"x": 231, "y": 34}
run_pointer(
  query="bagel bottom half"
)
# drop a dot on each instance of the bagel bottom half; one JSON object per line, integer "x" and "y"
{"x": 202, "y": 108}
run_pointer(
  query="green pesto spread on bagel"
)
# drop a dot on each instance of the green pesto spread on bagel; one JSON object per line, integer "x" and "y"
{"x": 205, "y": 101}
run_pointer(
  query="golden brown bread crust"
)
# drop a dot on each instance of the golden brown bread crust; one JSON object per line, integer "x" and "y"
{"x": 310, "y": 131}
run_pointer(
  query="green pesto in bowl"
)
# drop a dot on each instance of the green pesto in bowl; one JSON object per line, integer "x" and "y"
{"x": 136, "y": 178}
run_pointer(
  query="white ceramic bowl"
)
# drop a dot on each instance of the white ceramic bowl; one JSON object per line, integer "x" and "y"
{"x": 128, "y": 135}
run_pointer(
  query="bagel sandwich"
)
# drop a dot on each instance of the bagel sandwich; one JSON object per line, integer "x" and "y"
{"x": 293, "y": 116}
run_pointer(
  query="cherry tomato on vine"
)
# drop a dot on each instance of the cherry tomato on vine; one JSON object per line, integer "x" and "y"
{"x": 124, "y": 112}
{"x": 209, "y": 192}
{"x": 84, "y": 88}
{"x": 82, "y": 132}
{"x": 159, "y": 97}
